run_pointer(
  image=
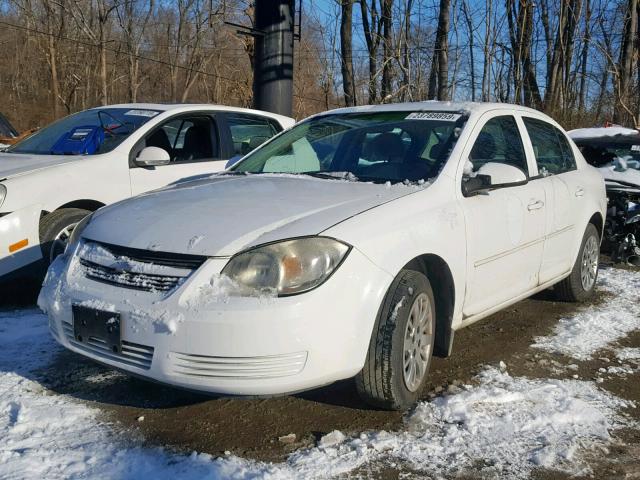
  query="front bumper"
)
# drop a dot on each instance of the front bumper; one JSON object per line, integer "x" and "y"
{"x": 228, "y": 345}
{"x": 19, "y": 239}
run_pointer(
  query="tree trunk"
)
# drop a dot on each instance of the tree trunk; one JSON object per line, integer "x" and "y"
{"x": 624, "y": 111}
{"x": 346, "y": 46}
{"x": 387, "y": 51}
{"x": 472, "y": 67}
{"x": 441, "y": 51}
{"x": 371, "y": 26}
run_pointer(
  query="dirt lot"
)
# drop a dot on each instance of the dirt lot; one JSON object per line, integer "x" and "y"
{"x": 251, "y": 428}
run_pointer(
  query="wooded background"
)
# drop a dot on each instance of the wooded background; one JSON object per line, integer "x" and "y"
{"x": 577, "y": 60}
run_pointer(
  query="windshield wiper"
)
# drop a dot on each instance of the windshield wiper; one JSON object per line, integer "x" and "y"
{"x": 349, "y": 176}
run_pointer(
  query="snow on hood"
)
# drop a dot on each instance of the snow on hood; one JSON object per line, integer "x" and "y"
{"x": 12, "y": 164}
{"x": 227, "y": 214}
{"x": 631, "y": 175}
{"x": 604, "y": 132}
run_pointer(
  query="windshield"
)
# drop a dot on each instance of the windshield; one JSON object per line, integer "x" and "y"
{"x": 85, "y": 133}
{"x": 374, "y": 147}
{"x": 602, "y": 154}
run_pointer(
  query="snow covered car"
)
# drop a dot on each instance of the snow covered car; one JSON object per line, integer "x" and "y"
{"x": 370, "y": 236}
{"x": 615, "y": 151}
{"x": 57, "y": 176}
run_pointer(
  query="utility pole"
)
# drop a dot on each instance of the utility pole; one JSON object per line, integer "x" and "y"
{"x": 273, "y": 64}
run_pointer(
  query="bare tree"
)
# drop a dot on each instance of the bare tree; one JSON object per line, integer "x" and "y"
{"x": 346, "y": 49}
{"x": 439, "y": 76}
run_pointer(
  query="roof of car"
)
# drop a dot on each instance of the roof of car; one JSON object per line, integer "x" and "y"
{"x": 605, "y": 134}
{"x": 165, "y": 107}
{"x": 433, "y": 105}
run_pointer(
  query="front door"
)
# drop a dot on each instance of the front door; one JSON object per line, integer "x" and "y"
{"x": 193, "y": 144}
{"x": 505, "y": 227}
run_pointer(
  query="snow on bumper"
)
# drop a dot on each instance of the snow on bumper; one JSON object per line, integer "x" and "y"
{"x": 19, "y": 239}
{"x": 197, "y": 337}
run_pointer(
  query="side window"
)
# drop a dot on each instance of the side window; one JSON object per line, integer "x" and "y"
{"x": 552, "y": 150}
{"x": 499, "y": 141}
{"x": 249, "y": 131}
{"x": 187, "y": 139}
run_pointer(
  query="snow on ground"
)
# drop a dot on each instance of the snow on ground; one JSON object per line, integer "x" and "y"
{"x": 502, "y": 425}
{"x": 596, "y": 327}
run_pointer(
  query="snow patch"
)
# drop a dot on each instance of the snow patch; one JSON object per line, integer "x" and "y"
{"x": 628, "y": 353}
{"x": 593, "y": 329}
{"x": 605, "y": 132}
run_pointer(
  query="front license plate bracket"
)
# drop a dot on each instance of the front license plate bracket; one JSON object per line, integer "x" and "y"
{"x": 97, "y": 326}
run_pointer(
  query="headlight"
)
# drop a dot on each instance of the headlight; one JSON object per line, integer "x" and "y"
{"x": 288, "y": 267}
{"x": 3, "y": 193}
{"x": 76, "y": 234}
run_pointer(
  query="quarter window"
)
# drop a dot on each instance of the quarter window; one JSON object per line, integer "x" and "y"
{"x": 499, "y": 141}
{"x": 551, "y": 149}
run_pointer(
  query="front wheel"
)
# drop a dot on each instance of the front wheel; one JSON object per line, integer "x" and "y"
{"x": 55, "y": 230}
{"x": 581, "y": 283}
{"x": 401, "y": 347}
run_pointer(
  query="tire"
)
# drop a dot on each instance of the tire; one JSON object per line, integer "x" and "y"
{"x": 384, "y": 382}
{"x": 55, "y": 229}
{"x": 581, "y": 283}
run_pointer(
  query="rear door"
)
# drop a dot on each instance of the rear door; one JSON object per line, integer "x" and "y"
{"x": 558, "y": 174}
{"x": 505, "y": 227}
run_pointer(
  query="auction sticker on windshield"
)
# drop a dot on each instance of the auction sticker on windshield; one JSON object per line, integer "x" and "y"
{"x": 433, "y": 116}
{"x": 142, "y": 113}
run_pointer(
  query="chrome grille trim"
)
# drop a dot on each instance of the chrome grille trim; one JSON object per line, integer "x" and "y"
{"x": 136, "y": 281}
{"x": 137, "y": 269}
{"x": 132, "y": 354}
{"x": 238, "y": 367}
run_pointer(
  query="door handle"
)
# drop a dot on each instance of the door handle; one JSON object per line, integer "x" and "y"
{"x": 579, "y": 192}
{"x": 537, "y": 205}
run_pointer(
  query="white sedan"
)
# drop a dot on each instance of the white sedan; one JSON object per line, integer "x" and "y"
{"x": 60, "y": 174}
{"x": 369, "y": 237}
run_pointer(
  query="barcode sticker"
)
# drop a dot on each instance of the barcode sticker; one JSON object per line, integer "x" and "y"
{"x": 449, "y": 117}
{"x": 142, "y": 113}
{"x": 635, "y": 148}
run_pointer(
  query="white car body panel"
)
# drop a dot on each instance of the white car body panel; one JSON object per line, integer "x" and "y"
{"x": 16, "y": 227}
{"x": 499, "y": 248}
{"x": 304, "y": 206}
{"x": 53, "y": 181}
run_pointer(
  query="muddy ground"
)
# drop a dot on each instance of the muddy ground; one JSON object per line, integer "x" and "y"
{"x": 251, "y": 427}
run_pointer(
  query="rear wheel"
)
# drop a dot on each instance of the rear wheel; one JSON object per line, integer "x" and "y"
{"x": 581, "y": 283}
{"x": 401, "y": 347}
{"x": 55, "y": 230}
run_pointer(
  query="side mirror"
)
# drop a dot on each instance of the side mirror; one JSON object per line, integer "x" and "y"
{"x": 153, "y": 157}
{"x": 232, "y": 161}
{"x": 492, "y": 176}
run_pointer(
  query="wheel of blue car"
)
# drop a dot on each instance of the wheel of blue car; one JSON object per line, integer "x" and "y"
{"x": 55, "y": 230}
{"x": 401, "y": 347}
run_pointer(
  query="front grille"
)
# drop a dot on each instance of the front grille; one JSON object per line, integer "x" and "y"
{"x": 238, "y": 367}
{"x": 137, "y": 281}
{"x": 132, "y": 354}
{"x": 136, "y": 269}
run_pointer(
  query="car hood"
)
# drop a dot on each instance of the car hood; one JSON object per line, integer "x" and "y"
{"x": 630, "y": 175}
{"x": 12, "y": 164}
{"x": 223, "y": 215}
